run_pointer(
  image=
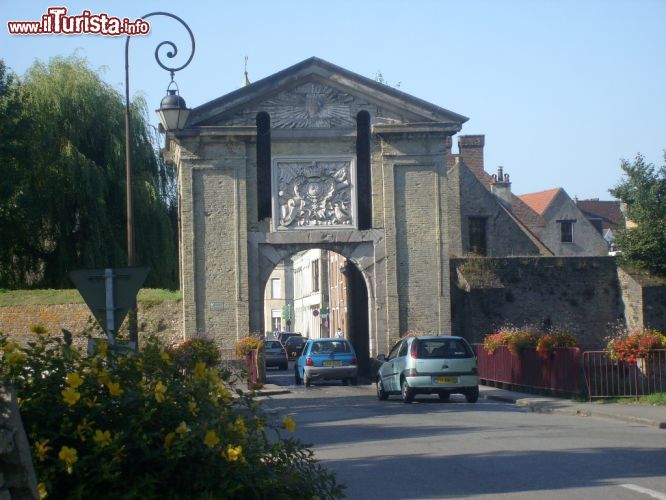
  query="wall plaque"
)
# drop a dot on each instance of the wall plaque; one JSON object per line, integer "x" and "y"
{"x": 314, "y": 192}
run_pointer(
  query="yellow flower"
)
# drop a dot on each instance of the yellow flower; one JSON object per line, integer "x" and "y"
{"x": 168, "y": 440}
{"x": 102, "y": 438}
{"x": 83, "y": 428}
{"x": 41, "y": 489}
{"x": 74, "y": 380}
{"x": 239, "y": 426}
{"x": 9, "y": 346}
{"x": 91, "y": 402}
{"x": 211, "y": 440}
{"x": 119, "y": 454}
{"x": 165, "y": 357}
{"x": 160, "y": 390}
{"x": 70, "y": 395}
{"x": 233, "y": 453}
{"x": 182, "y": 428}
{"x": 193, "y": 407}
{"x": 224, "y": 394}
{"x": 114, "y": 388}
{"x": 103, "y": 377}
{"x": 69, "y": 456}
{"x": 42, "y": 448}
{"x": 289, "y": 423}
{"x": 102, "y": 347}
{"x": 15, "y": 358}
{"x": 199, "y": 371}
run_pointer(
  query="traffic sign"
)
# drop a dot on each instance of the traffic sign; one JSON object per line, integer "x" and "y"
{"x": 109, "y": 293}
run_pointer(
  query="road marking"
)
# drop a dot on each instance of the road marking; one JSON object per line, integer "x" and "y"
{"x": 645, "y": 491}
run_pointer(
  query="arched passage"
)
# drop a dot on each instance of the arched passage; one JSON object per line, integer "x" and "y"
{"x": 363, "y": 252}
{"x": 314, "y": 292}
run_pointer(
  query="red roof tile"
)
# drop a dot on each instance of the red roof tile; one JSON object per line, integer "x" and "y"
{"x": 539, "y": 201}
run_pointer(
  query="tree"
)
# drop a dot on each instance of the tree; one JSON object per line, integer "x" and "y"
{"x": 66, "y": 205}
{"x": 643, "y": 191}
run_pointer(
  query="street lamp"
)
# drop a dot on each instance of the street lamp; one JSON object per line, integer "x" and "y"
{"x": 171, "y": 104}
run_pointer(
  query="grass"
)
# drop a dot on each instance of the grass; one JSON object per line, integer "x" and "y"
{"x": 72, "y": 296}
{"x": 656, "y": 399}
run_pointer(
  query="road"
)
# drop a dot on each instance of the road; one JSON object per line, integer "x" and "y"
{"x": 431, "y": 449}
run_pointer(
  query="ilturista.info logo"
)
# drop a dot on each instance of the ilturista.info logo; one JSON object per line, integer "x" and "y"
{"x": 56, "y": 21}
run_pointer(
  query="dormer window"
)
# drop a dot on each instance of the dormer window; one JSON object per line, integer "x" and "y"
{"x": 566, "y": 230}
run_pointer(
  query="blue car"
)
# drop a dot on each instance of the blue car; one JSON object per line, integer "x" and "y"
{"x": 326, "y": 359}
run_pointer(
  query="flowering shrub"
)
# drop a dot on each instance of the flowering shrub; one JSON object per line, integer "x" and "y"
{"x": 141, "y": 426}
{"x": 246, "y": 344}
{"x": 636, "y": 345}
{"x": 515, "y": 339}
{"x": 548, "y": 342}
{"x": 187, "y": 353}
{"x": 493, "y": 341}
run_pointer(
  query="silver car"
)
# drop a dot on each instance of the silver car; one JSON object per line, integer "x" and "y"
{"x": 429, "y": 365}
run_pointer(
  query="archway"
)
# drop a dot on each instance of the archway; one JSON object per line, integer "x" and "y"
{"x": 314, "y": 291}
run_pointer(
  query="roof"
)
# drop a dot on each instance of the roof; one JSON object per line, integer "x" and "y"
{"x": 315, "y": 69}
{"x": 608, "y": 211}
{"x": 540, "y": 201}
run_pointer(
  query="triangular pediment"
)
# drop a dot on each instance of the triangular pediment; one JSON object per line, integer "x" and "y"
{"x": 318, "y": 94}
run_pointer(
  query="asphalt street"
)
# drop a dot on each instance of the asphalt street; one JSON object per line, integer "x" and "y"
{"x": 431, "y": 449}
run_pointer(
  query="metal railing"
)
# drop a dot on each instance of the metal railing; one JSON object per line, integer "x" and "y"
{"x": 606, "y": 377}
{"x": 559, "y": 373}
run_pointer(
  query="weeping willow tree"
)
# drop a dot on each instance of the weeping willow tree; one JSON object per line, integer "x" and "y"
{"x": 62, "y": 204}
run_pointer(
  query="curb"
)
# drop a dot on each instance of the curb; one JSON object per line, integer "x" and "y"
{"x": 544, "y": 407}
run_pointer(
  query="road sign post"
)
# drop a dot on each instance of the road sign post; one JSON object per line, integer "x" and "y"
{"x": 109, "y": 293}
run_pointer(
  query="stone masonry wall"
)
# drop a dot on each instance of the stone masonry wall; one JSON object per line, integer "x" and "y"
{"x": 164, "y": 320}
{"x": 579, "y": 294}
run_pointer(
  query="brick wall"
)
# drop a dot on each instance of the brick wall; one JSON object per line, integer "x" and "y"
{"x": 580, "y": 294}
{"x": 163, "y": 319}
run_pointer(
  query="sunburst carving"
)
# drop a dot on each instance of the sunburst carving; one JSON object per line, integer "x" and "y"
{"x": 310, "y": 106}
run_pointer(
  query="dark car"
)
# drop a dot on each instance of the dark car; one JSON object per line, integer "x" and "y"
{"x": 275, "y": 354}
{"x": 294, "y": 346}
{"x": 283, "y": 336}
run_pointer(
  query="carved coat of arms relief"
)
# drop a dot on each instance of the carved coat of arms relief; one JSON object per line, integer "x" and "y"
{"x": 313, "y": 192}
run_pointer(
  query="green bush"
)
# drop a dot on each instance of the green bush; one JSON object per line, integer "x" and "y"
{"x": 141, "y": 426}
{"x": 190, "y": 351}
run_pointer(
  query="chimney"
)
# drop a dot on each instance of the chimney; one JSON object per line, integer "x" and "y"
{"x": 450, "y": 158}
{"x": 500, "y": 186}
{"x": 470, "y": 148}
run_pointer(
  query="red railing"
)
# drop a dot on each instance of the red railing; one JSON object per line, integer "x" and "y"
{"x": 559, "y": 373}
{"x": 256, "y": 370}
{"x": 609, "y": 378}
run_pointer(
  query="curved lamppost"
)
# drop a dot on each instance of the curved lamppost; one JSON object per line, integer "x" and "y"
{"x": 173, "y": 114}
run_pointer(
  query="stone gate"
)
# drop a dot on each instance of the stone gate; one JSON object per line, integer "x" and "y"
{"x": 315, "y": 156}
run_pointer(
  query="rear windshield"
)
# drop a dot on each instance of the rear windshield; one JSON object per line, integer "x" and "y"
{"x": 295, "y": 340}
{"x": 328, "y": 347}
{"x": 272, "y": 344}
{"x": 443, "y": 348}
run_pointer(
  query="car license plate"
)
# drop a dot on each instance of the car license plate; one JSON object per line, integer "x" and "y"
{"x": 332, "y": 363}
{"x": 446, "y": 380}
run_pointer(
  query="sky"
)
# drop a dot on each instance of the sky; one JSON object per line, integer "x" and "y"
{"x": 562, "y": 90}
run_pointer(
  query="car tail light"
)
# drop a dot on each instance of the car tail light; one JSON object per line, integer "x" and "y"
{"x": 413, "y": 352}
{"x": 412, "y": 372}
{"x": 353, "y": 361}
{"x": 309, "y": 362}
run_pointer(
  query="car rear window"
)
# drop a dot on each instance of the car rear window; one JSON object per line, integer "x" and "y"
{"x": 443, "y": 348}
{"x": 272, "y": 344}
{"x": 328, "y": 347}
{"x": 295, "y": 340}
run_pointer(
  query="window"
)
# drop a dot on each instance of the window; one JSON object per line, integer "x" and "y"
{"x": 477, "y": 235}
{"x": 394, "y": 351}
{"x": 566, "y": 230}
{"x": 276, "y": 289}
{"x": 315, "y": 275}
{"x": 403, "y": 349}
{"x": 276, "y": 320}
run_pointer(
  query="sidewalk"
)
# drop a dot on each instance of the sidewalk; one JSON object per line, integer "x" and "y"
{"x": 634, "y": 413}
{"x": 643, "y": 414}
